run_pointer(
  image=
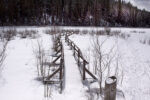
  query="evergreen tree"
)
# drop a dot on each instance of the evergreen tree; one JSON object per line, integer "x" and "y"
{"x": 71, "y": 12}
{"x": 119, "y": 10}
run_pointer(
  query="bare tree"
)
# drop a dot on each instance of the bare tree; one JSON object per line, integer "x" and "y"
{"x": 102, "y": 60}
{"x": 87, "y": 56}
{"x": 3, "y": 53}
{"x": 119, "y": 72}
{"x": 3, "y": 45}
{"x": 40, "y": 58}
{"x": 9, "y": 34}
{"x": 109, "y": 57}
{"x": 107, "y": 30}
{"x": 98, "y": 60}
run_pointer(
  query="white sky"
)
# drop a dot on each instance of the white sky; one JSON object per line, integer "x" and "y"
{"x": 142, "y": 4}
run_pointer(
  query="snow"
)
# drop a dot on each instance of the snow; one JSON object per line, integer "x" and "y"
{"x": 134, "y": 60}
{"x": 73, "y": 84}
{"x": 18, "y": 77}
{"x": 18, "y": 73}
{"x": 18, "y": 80}
{"x": 110, "y": 80}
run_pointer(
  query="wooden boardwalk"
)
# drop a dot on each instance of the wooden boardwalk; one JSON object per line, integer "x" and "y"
{"x": 73, "y": 80}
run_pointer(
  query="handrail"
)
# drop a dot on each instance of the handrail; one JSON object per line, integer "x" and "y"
{"x": 78, "y": 53}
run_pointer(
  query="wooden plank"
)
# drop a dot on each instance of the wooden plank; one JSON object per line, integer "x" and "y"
{"x": 58, "y": 51}
{"x": 51, "y": 64}
{"x": 51, "y": 82}
{"x": 58, "y": 45}
{"x": 56, "y": 59}
{"x": 84, "y": 59}
{"x": 50, "y": 76}
{"x": 60, "y": 75}
{"x": 90, "y": 73}
{"x": 78, "y": 57}
{"x": 84, "y": 70}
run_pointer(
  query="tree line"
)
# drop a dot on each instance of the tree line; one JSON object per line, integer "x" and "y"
{"x": 72, "y": 12}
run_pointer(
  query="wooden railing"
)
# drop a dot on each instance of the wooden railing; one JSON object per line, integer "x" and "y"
{"x": 79, "y": 58}
{"x": 59, "y": 56}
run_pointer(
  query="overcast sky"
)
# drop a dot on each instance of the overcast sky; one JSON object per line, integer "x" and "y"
{"x": 141, "y": 4}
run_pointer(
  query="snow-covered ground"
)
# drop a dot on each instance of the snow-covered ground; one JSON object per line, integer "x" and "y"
{"x": 134, "y": 59}
{"x": 18, "y": 77}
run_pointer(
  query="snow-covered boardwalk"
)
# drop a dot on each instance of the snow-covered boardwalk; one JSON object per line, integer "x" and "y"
{"x": 73, "y": 84}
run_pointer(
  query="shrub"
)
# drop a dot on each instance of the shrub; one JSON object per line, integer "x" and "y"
{"x": 28, "y": 34}
{"x": 9, "y": 34}
{"x": 107, "y": 30}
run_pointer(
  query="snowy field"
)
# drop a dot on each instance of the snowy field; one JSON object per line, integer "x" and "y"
{"x": 133, "y": 59}
{"x": 130, "y": 57}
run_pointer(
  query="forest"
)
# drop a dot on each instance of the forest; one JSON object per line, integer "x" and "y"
{"x": 113, "y": 13}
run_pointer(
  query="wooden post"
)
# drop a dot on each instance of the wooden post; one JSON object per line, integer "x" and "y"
{"x": 68, "y": 42}
{"x": 110, "y": 88}
{"x": 65, "y": 38}
{"x": 56, "y": 47}
{"x": 71, "y": 45}
{"x": 84, "y": 69}
{"x": 61, "y": 48}
{"x": 60, "y": 76}
{"x": 78, "y": 56}
{"x": 74, "y": 50}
